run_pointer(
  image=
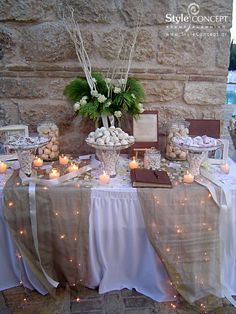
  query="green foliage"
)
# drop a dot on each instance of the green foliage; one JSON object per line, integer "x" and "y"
{"x": 76, "y": 89}
{"x": 232, "y": 59}
{"x": 128, "y": 99}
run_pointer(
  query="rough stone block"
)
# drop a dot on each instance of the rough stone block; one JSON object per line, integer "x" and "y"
{"x": 34, "y": 112}
{"x": 171, "y": 112}
{"x": 111, "y": 41}
{"x": 21, "y": 88}
{"x": 186, "y": 51}
{"x": 93, "y": 11}
{"x": 205, "y": 93}
{"x": 9, "y": 113}
{"x": 25, "y": 10}
{"x": 153, "y": 13}
{"x": 223, "y": 51}
{"x": 8, "y": 42}
{"x": 46, "y": 42}
{"x": 162, "y": 91}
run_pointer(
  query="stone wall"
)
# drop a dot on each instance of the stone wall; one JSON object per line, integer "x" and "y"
{"x": 184, "y": 76}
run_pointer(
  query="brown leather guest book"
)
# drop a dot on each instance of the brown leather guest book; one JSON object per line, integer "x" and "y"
{"x": 150, "y": 178}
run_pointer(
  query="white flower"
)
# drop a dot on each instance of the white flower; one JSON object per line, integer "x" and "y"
{"x": 123, "y": 81}
{"x": 140, "y": 107}
{"x": 108, "y": 103}
{"x": 76, "y": 106}
{"x": 84, "y": 97}
{"x": 94, "y": 80}
{"x": 132, "y": 95}
{"x": 108, "y": 80}
{"x": 118, "y": 114}
{"x": 102, "y": 98}
{"x": 117, "y": 90}
{"x": 83, "y": 102}
{"x": 94, "y": 93}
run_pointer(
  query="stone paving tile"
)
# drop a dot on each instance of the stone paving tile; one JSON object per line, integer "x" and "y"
{"x": 3, "y": 307}
{"x": 139, "y": 302}
{"x": 115, "y": 302}
{"x": 86, "y": 305}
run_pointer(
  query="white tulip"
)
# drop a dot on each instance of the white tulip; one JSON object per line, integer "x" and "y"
{"x": 83, "y": 102}
{"x": 94, "y": 93}
{"x": 118, "y": 114}
{"x": 117, "y": 90}
{"x": 76, "y": 106}
{"x": 102, "y": 98}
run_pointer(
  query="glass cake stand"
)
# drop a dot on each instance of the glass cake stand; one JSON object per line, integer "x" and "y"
{"x": 109, "y": 155}
{"x": 25, "y": 148}
{"x": 196, "y": 154}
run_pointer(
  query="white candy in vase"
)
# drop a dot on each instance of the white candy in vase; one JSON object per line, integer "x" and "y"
{"x": 110, "y": 137}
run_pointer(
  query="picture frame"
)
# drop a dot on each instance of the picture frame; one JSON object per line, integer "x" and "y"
{"x": 148, "y": 120}
{"x": 220, "y": 155}
{"x": 6, "y": 132}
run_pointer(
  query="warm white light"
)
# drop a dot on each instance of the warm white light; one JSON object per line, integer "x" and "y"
{"x": 133, "y": 164}
{"x": 3, "y": 167}
{"x": 38, "y": 162}
{"x": 63, "y": 160}
{"x": 104, "y": 178}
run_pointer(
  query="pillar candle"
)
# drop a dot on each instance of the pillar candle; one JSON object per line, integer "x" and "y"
{"x": 133, "y": 164}
{"x": 188, "y": 177}
{"x": 3, "y": 167}
{"x": 104, "y": 178}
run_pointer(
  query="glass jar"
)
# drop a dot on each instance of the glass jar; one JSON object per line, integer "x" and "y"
{"x": 50, "y": 151}
{"x": 176, "y": 129}
{"x": 152, "y": 159}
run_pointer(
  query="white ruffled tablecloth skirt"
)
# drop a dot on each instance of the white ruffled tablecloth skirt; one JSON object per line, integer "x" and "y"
{"x": 121, "y": 254}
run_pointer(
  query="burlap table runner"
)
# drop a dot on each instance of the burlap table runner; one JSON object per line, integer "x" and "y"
{"x": 183, "y": 227}
{"x": 62, "y": 229}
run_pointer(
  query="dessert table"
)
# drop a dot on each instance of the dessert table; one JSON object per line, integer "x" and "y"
{"x": 120, "y": 253}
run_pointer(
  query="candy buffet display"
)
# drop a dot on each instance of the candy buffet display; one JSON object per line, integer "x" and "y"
{"x": 196, "y": 148}
{"x": 50, "y": 151}
{"x": 25, "y": 148}
{"x": 108, "y": 143}
{"x": 176, "y": 129}
{"x": 152, "y": 159}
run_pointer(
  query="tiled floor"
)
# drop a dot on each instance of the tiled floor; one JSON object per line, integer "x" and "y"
{"x": 86, "y": 301}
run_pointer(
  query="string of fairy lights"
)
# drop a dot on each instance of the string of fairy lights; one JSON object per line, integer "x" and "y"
{"x": 179, "y": 229}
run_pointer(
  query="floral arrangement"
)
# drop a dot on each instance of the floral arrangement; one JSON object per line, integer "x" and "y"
{"x": 96, "y": 96}
{"x": 111, "y": 97}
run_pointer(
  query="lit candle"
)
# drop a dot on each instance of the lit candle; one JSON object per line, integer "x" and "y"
{"x": 104, "y": 178}
{"x": 225, "y": 168}
{"x": 133, "y": 164}
{"x": 3, "y": 167}
{"x": 54, "y": 174}
{"x": 38, "y": 162}
{"x": 72, "y": 168}
{"x": 63, "y": 160}
{"x": 188, "y": 178}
